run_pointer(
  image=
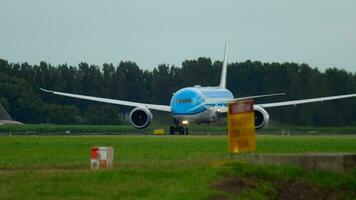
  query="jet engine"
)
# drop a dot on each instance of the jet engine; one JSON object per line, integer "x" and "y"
{"x": 261, "y": 117}
{"x": 140, "y": 117}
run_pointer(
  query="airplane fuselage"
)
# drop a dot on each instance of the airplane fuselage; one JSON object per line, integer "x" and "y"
{"x": 198, "y": 104}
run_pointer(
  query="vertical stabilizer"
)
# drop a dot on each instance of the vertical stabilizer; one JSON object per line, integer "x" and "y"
{"x": 223, "y": 70}
{"x": 4, "y": 115}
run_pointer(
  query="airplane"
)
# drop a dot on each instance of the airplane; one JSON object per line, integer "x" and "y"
{"x": 198, "y": 105}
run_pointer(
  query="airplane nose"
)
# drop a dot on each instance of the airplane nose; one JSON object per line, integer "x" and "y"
{"x": 186, "y": 102}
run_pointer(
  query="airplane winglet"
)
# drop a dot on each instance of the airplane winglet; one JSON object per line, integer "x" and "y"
{"x": 44, "y": 90}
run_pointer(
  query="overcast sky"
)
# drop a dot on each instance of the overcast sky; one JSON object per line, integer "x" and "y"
{"x": 321, "y": 33}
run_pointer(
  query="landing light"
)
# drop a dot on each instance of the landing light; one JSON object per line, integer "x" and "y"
{"x": 185, "y": 122}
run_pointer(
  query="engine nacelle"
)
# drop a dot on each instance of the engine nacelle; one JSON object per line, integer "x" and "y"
{"x": 261, "y": 117}
{"x": 140, "y": 117}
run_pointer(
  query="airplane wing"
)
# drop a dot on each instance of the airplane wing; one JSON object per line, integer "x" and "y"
{"x": 303, "y": 101}
{"x": 113, "y": 101}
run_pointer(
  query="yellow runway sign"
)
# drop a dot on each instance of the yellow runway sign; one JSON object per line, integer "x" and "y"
{"x": 241, "y": 127}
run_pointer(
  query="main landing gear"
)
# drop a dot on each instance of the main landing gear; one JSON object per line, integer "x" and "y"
{"x": 180, "y": 129}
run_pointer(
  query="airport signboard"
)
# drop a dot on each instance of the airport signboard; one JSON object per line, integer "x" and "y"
{"x": 241, "y": 126}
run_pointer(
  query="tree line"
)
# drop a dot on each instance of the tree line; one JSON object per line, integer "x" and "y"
{"x": 20, "y": 93}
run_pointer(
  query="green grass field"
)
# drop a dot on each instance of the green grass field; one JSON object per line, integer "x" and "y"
{"x": 52, "y": 129}
{"x": 154, "y": 167}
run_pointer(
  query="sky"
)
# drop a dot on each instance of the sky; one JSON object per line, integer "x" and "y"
{"x": 321, "y": 33}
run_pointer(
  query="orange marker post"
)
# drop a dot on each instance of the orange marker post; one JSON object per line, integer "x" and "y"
{"x": 101, "y": 157}
{"x": 241, "y": 126}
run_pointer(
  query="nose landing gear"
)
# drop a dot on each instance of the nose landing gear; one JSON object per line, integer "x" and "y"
{"x": 177, "y": 127}
{"x": 180, "y": 129}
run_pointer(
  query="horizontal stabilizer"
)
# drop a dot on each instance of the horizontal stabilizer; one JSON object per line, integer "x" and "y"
{"x": 260, "y": 96}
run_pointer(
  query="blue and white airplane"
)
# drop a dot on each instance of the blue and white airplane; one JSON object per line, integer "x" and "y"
{"x": 198, "y": 105}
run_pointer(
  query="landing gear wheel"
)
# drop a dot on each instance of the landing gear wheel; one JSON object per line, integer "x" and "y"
{"x": 186, "y": 131}
{"x": 181, "y": 130}
{"x": 172, "y": 130}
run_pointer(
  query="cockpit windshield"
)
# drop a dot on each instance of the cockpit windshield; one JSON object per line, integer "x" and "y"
{"x": 184, "y": 100}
